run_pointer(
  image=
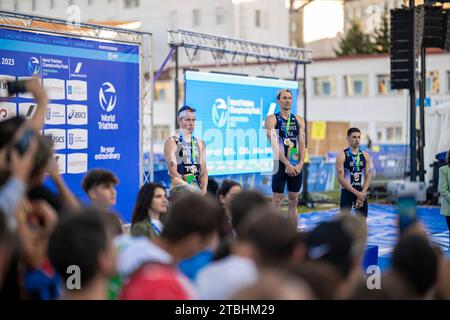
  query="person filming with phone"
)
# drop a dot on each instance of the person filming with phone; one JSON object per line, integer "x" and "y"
{"x": 18, "y": 144}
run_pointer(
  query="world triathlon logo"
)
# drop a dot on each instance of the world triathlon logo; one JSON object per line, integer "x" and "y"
{"x": 220, "y": 112}
{"x": 107, "y": 97}
{"x": 34, "y": 66}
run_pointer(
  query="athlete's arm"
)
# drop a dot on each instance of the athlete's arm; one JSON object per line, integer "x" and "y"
{"x": 340, "y": 173}
{"x": 170, "y": 148}
{"x": 273, "y": 139}
{"x": 302, "y": 144}
{"x": 33, "y": 85}
{"x": 204, "y": 171}
{"x": 367, "y": 175}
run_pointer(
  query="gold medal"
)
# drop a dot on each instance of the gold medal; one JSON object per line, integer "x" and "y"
{"x": 291, "y": 144}
{"x": 287, "y": 142}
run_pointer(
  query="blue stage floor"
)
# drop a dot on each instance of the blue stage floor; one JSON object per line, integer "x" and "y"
{"x": 383, "y": 229}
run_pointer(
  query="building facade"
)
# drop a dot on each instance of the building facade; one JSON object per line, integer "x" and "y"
{"x": 354, "y": 91}
{"x": 256, "y": 20}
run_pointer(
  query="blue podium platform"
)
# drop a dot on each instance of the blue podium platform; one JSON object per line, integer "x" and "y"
{"x": 371, "y": 256}
{"x": 383, "y": 231}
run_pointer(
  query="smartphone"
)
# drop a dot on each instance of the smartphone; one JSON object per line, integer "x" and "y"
{"x": 4, "y": 89}
{"x": 23, "y": 143}
{"x": 16, "y": 86}
{"x": 407, "y": 211}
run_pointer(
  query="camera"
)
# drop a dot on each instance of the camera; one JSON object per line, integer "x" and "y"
{"x": 23, "y": 143}
{"x": 12, "y": 87}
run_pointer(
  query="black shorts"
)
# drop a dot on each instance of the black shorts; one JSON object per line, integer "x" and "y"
{"x": 348, "y": 200}
{"x": 280, "y": 178}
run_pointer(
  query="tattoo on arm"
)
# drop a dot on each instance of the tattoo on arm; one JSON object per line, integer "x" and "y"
{"x": 171, "y": 163}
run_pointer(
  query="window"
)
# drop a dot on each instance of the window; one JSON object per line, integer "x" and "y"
{"x": 356, "y": 85}
{"x": 196, "y": 18}
{"x": 161, "y": 132}
{"x": 162, "y": 89}
{"x": 220, "y": 16}
{"x": 432, "y": 82}
{"x": 258, "y": 18}
{"x": 384, "y": 85}
{"x": 390, "y": 133}
{"x": 128, "y": 4}
{"x": 448, "y": 81}
{"x": 293, "y": 26}
{"x": 324, "y": 86}
{"x": 393, "y": 134}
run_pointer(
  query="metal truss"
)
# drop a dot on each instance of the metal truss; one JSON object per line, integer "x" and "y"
{"x": 58, "y": 26}
{"x": 237, "y": 47}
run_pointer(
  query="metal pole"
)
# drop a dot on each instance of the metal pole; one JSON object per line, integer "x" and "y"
{"x": 412, "y": 118}
{"x": 423, "y": 89}
{"x": 152, "y": 149}
{"x": 305, "y": 195}
{"x": 176, "y": 86}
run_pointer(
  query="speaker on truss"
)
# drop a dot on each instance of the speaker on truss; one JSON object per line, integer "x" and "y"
{"x": 434, "y": 27}
{"x": 447, "y": 30}
{"x": 404, "y": 45}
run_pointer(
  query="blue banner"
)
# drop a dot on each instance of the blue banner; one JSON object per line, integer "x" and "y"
{"x": 231, "y": 111}
{"x": 93, "y": 114}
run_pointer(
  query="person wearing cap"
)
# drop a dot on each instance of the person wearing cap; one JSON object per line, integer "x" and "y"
{"x": 336, "y": 243}
{"x": 185, "y": 154}
{"x": 286, "y": 133}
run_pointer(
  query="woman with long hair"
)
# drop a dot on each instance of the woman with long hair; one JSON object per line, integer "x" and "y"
{"x": 444, "y": 190}
{"x": 226, "y": 192}
{"x": 151, "y": 204}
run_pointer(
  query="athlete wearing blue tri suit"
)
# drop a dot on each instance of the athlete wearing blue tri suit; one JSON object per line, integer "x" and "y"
{"x": 354, "y": 175}
{"x": 286, "y": 135}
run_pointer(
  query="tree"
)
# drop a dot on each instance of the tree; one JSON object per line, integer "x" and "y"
{"x": 355, "y": 41}
{"x": 381, "y": 38}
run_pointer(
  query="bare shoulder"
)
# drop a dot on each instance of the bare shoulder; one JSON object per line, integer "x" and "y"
{"x": 366, "y": 154}
{"x": 300, "y": 119}
{"x": 169, "y": 141}
{"x": 340, "y": 157}
{"x": 271, "y": 120}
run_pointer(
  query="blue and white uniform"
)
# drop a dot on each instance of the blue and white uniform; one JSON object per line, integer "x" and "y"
{"x": 280, "y": 178}
{"x": 354, "y": 173}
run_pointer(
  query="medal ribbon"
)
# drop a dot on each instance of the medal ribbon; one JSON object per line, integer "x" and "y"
{"x": 192, "y": 153}
{"x": 287, "y": 126}
{"x": 357, "y": 161}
